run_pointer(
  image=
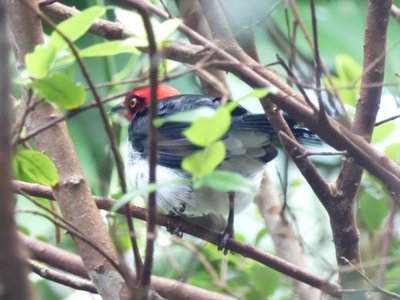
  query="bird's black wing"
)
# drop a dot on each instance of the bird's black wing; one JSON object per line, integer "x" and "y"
{"x": 172, "y": 144}
{"x": 259, "y": 122}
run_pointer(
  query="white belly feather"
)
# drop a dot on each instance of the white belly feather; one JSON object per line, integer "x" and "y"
{"x": 173, "y": 197}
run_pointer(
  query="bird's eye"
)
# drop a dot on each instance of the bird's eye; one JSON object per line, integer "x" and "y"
{"x": 133, "y": 102}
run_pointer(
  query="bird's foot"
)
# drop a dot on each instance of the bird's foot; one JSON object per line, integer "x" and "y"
{"x": 226, "y": 235}
{"x": 174, "y": 228}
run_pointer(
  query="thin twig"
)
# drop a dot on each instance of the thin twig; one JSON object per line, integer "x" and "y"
{"x": 76, "y": 232}
{"x": 318, "y": 69}
{"x": 124, "y": 273}
{"x": 72, "y": 263}
{"x": 323, "y": 153}
{"x": 387, "y": 238}
{"x": 145, "y": 277}
{"x": 199, "y": 232}
{"x": 370, "y": 282}
{"x": 300, "y": 23}
{"x": 293, "y": 79}
{"x": 387, "y": 120}
{"x": 67, "y": 280}
{"x": 110, "y": 135}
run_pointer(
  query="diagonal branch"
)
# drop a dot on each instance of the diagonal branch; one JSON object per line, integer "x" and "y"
{"x": 72, "y": 192}
{"x": 236, "y": 246}
{"x": 72, "y": 263}
{"x": 145, "y": 276}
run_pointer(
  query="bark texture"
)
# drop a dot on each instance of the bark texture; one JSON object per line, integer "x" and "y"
{"x": 72, "y": 192}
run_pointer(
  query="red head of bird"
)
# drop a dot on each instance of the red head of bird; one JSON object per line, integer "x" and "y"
{"x": 139, "y": 99}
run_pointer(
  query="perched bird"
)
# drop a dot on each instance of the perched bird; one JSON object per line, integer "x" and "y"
{"x": 248, "y": 145}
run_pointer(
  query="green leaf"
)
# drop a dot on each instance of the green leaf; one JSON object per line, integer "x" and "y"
{"x": 255, "y": 93}
{"x": 383, "y": 131}
{"x": 109, "y": 48}
{"x": 166, "y": 28}
{"x": 224, "y": 181}
{"x": 265, "y": 280}
{"x": 393, "y": 152}
{"x": 260, "y": 235}
{"x": 206, "y": 130}
{"x": 38, "y": 62}
{"x": 373, "y": 210}
{"x": 347, "y": 68}
{"x": 204, "y": 162}
{"x": 76, "y": 26}
{"x": 133, "y": 22}
{"x": 348, "y": 80}
{"x": 59, "y": 89}
{"x": 34, "y": 166}
{"x": 186, "y": 116}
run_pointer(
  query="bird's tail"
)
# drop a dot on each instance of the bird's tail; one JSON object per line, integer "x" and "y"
{"x": 259, "y": 122}
{"x": 303, "y": 135}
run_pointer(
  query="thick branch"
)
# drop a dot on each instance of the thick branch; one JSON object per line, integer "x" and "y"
{"x": 236, "y": 246}
{"x": 72, "y": 192}
{"x": 13, "y": 271}
{"x": 345, "y": 232}
{"x": 72, "y": 263}
{"x": 194, "y": 18}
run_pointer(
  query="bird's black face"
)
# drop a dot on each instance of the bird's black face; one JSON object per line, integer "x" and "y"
{"x": 131, "y": 106}
{"x": 134, "y": 104}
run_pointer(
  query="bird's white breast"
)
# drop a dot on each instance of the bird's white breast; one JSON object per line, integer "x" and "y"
{"x": 172, "y": 197}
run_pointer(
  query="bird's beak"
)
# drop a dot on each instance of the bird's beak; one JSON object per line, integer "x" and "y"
{"x": 120, "y": 109}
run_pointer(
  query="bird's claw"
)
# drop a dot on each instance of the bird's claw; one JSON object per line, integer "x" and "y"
{"x": 226, "y": 235}
{"x": 174, "y": 228}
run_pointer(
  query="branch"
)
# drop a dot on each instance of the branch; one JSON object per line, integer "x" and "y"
{"x": 72, "y": 192}
{"x": 233, "y": 245}
{"x": 72, "y": 263}
{"x": 73, "y": 282}
{"x": 193, "y": 17}
{"x": 109, "y": 132}
{"x": 13, "y": 271}
{"x": 287, "y": 245}
{"x": 152, "y": 132}
{"x": 345, "y": 231}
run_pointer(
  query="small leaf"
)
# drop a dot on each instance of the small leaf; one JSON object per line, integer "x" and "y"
{"x": 109, "y": 48}
{"x": 38, "y": 62}
{"x": 265, "y": 280}
{"x": 260, "y": 235}
{"x": 204, "y": 162}
{"x": 383, "y": 131}
{"x": 76, "y": 26}
{"x": 393, "y": 152}
{"x": 34, "y": 166}
{"x": 373, "y": 210}
{"x": 59, "y": 89}
{"x": 186, "y": 116}
{"x": 255, "y": 93}
{"x": 224, "y": 181}
{"x": 206, "y": 130}
{"x": 133, "y": 22}
{"x": 166, "y": 28}
{"x": 347, "y": 68}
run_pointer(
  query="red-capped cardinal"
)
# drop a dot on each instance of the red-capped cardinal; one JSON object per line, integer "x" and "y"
{"x": 248, "y": 145}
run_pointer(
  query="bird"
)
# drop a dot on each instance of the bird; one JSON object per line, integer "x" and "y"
{"x": 248, "y": 145}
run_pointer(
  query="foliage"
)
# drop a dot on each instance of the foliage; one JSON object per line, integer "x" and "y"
{"x": 52, "y": 73}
